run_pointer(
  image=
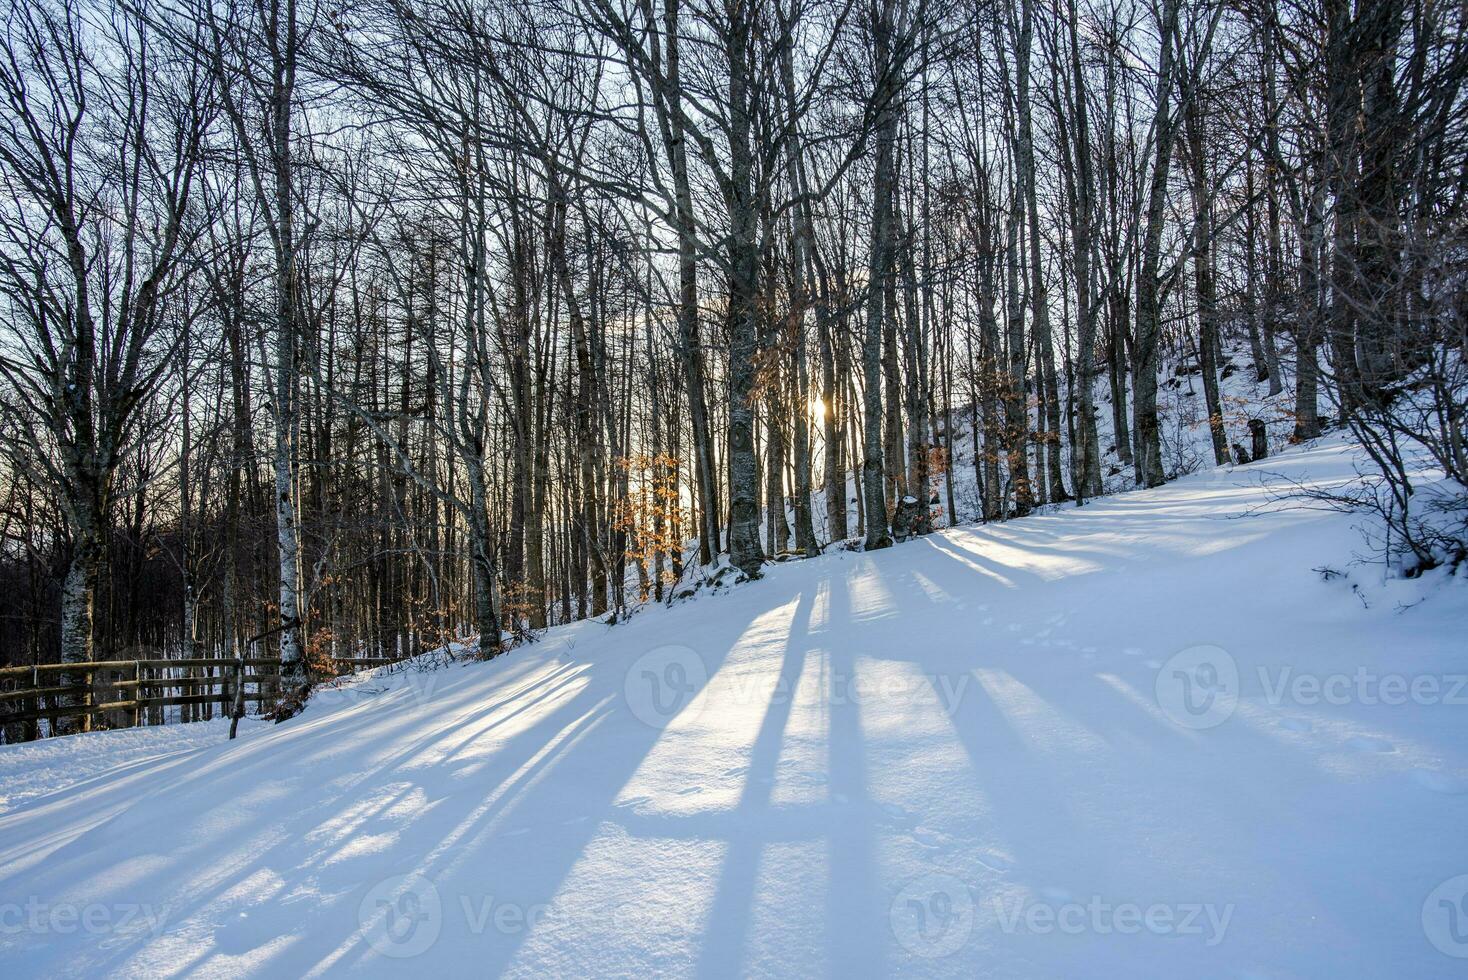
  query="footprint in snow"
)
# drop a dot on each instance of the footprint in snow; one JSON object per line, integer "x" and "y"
{"x": 930, "y": 838}
{"x": 997, "y": 863}
{"x": 1365, "y": 743}
{"x": 1439, "y": 782}
{"x": 898, "y": 813}
{"x": 633, "y": 801}
{"x": 689, "y": 791}
{"x": 242, "y": 933}
{"x": 736, "y": 771}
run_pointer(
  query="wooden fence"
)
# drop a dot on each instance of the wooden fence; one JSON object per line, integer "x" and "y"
{"x": 127, "y": 693}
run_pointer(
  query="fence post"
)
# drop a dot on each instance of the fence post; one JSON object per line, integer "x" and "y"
{"x": 89, "y": 677}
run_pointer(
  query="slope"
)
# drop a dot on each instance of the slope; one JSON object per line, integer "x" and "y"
{"x": 1076, "y": 744}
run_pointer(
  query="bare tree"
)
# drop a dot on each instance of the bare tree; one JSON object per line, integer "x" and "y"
{"x": 99, "y": 158}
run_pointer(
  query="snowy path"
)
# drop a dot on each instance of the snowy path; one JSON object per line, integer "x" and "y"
{"x": 968, "y": 756}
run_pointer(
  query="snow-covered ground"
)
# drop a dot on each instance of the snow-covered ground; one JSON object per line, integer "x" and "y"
{"x": 1147, "y": 737}
{"x": 33, "y": 769}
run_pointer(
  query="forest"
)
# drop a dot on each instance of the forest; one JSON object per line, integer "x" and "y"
{"x": 733, "y": 488}
{"x": 347, "y": 330}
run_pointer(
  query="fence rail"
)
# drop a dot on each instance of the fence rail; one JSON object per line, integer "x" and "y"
{"x": 83, "y": 690}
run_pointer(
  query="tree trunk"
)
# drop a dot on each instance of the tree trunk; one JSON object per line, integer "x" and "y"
{"x": 1203, "y": 276}
{"x": 879, "y": 270}
{"x": 287, "y": 374}
{"x": 1148, "y": 461}
{"x": 1016, "y": 412}
{"x": 745, "y": 552}
{"x": 78, "y": 592}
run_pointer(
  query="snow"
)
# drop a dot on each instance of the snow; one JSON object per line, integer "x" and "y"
{"x": 32, "y": 769}
{"x": 1145, "y": 737}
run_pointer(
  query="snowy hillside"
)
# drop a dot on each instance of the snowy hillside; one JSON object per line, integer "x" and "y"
{"x": 1185, "y": 438}
{"x": 1148, "y": 737}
